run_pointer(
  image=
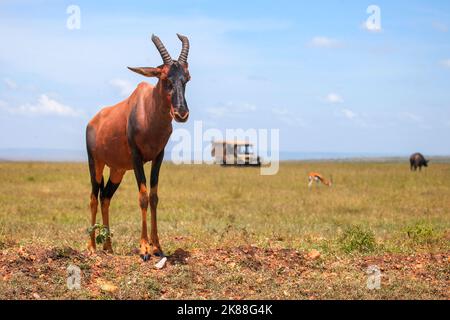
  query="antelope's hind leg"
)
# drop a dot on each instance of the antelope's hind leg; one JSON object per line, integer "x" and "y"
{"x": 106, "y": 195}
{"x": 96, "y": 172}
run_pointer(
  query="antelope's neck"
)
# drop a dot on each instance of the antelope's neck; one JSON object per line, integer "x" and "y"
{"x": 160, "y": 106}
{"x": 155, "y": 124}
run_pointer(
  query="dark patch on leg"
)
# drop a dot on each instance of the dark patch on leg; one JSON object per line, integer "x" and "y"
{"x": 97, "y": 187}
{"x": 138, "y": 161}
{"x": 156, "y": 166}
{"x": 108, "y": 191}
{"x": 90, "y": 146}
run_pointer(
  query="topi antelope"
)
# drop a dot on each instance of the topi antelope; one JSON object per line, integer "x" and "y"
{"x": 135, "y": 131}
{"x": 318, "y": 178}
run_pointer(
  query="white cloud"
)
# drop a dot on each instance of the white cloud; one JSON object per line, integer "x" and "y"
{"x": 362, "y": 119}
{"x": 349, "y": 114}
{"x": 10, "y": 84}
{"x": 124, "y": 87}
{"x": 230, "y": 109}
{"x": 325, "y": 42}
{"x": 45, "y": 106}
{"x": 446, "y": 63}
{"x": 334, "y": 98}
{"x": 288, "y": 117}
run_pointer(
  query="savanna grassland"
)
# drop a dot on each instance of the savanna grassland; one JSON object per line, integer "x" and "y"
{"x": 230, "y": 233}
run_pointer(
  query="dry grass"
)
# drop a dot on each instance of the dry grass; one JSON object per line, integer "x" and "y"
{"x": 232, "y": 233}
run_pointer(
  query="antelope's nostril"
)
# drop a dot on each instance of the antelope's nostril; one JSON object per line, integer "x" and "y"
{"x": 182, "y": 115}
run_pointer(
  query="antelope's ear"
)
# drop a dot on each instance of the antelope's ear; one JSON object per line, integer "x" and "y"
{"x": 147, "y": 72}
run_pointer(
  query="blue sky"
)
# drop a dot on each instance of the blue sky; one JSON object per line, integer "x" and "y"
{"x": 310, "y": 69}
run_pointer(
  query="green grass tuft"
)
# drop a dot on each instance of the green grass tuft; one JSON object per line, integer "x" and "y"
{"x": 422, "y": 233}
{"x": 356, "y": 238}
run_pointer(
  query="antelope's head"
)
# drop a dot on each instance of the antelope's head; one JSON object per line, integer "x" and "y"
{"x": 174, "y": 75}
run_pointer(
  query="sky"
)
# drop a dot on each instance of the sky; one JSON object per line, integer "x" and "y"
{"x": 313, "y": 70}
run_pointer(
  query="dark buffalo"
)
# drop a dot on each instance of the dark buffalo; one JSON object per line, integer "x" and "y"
{"x": 417, "y": 160}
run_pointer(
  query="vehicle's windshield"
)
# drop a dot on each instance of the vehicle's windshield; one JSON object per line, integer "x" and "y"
{"x": 245, "y": 150}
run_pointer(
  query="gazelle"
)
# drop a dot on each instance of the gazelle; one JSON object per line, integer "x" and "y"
{"x": 318, "y": 178}
{"x": 135, "y": 131}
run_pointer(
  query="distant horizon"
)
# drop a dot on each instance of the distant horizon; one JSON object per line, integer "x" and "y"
{"x": 79, "y": 155}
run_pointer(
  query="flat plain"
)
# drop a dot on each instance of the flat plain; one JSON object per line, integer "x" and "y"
{"x": 230, "y": 233}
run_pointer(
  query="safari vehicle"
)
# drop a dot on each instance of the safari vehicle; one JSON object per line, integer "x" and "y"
{"x": 235, "y": 153}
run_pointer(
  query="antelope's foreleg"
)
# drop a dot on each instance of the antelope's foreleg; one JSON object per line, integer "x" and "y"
{"x": 156, "y": 166}
{"x": 144, "y": 248}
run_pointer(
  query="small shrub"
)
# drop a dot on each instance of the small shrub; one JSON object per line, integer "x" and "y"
{"x": 422, "y": 233}
{"x": 103, "y": 233}
{"x": 355, "y": 238}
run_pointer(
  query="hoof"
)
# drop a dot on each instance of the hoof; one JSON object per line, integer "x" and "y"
{"x": 91, "y": 249}
{"x": 159, "y": 254}
{"x": 107, "y": 246}
{"x": 108, "y": 250}
{"x": 145, "y": 257}
{"x": 157, "y": 251}
{"x": 145, "y": 251}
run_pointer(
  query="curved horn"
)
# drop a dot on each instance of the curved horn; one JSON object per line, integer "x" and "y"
{"x": 184, "y": 50}
{"x": 162, "y": 50}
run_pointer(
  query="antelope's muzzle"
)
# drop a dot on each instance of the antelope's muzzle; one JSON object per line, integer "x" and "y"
{"x": 181, "y": 114}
